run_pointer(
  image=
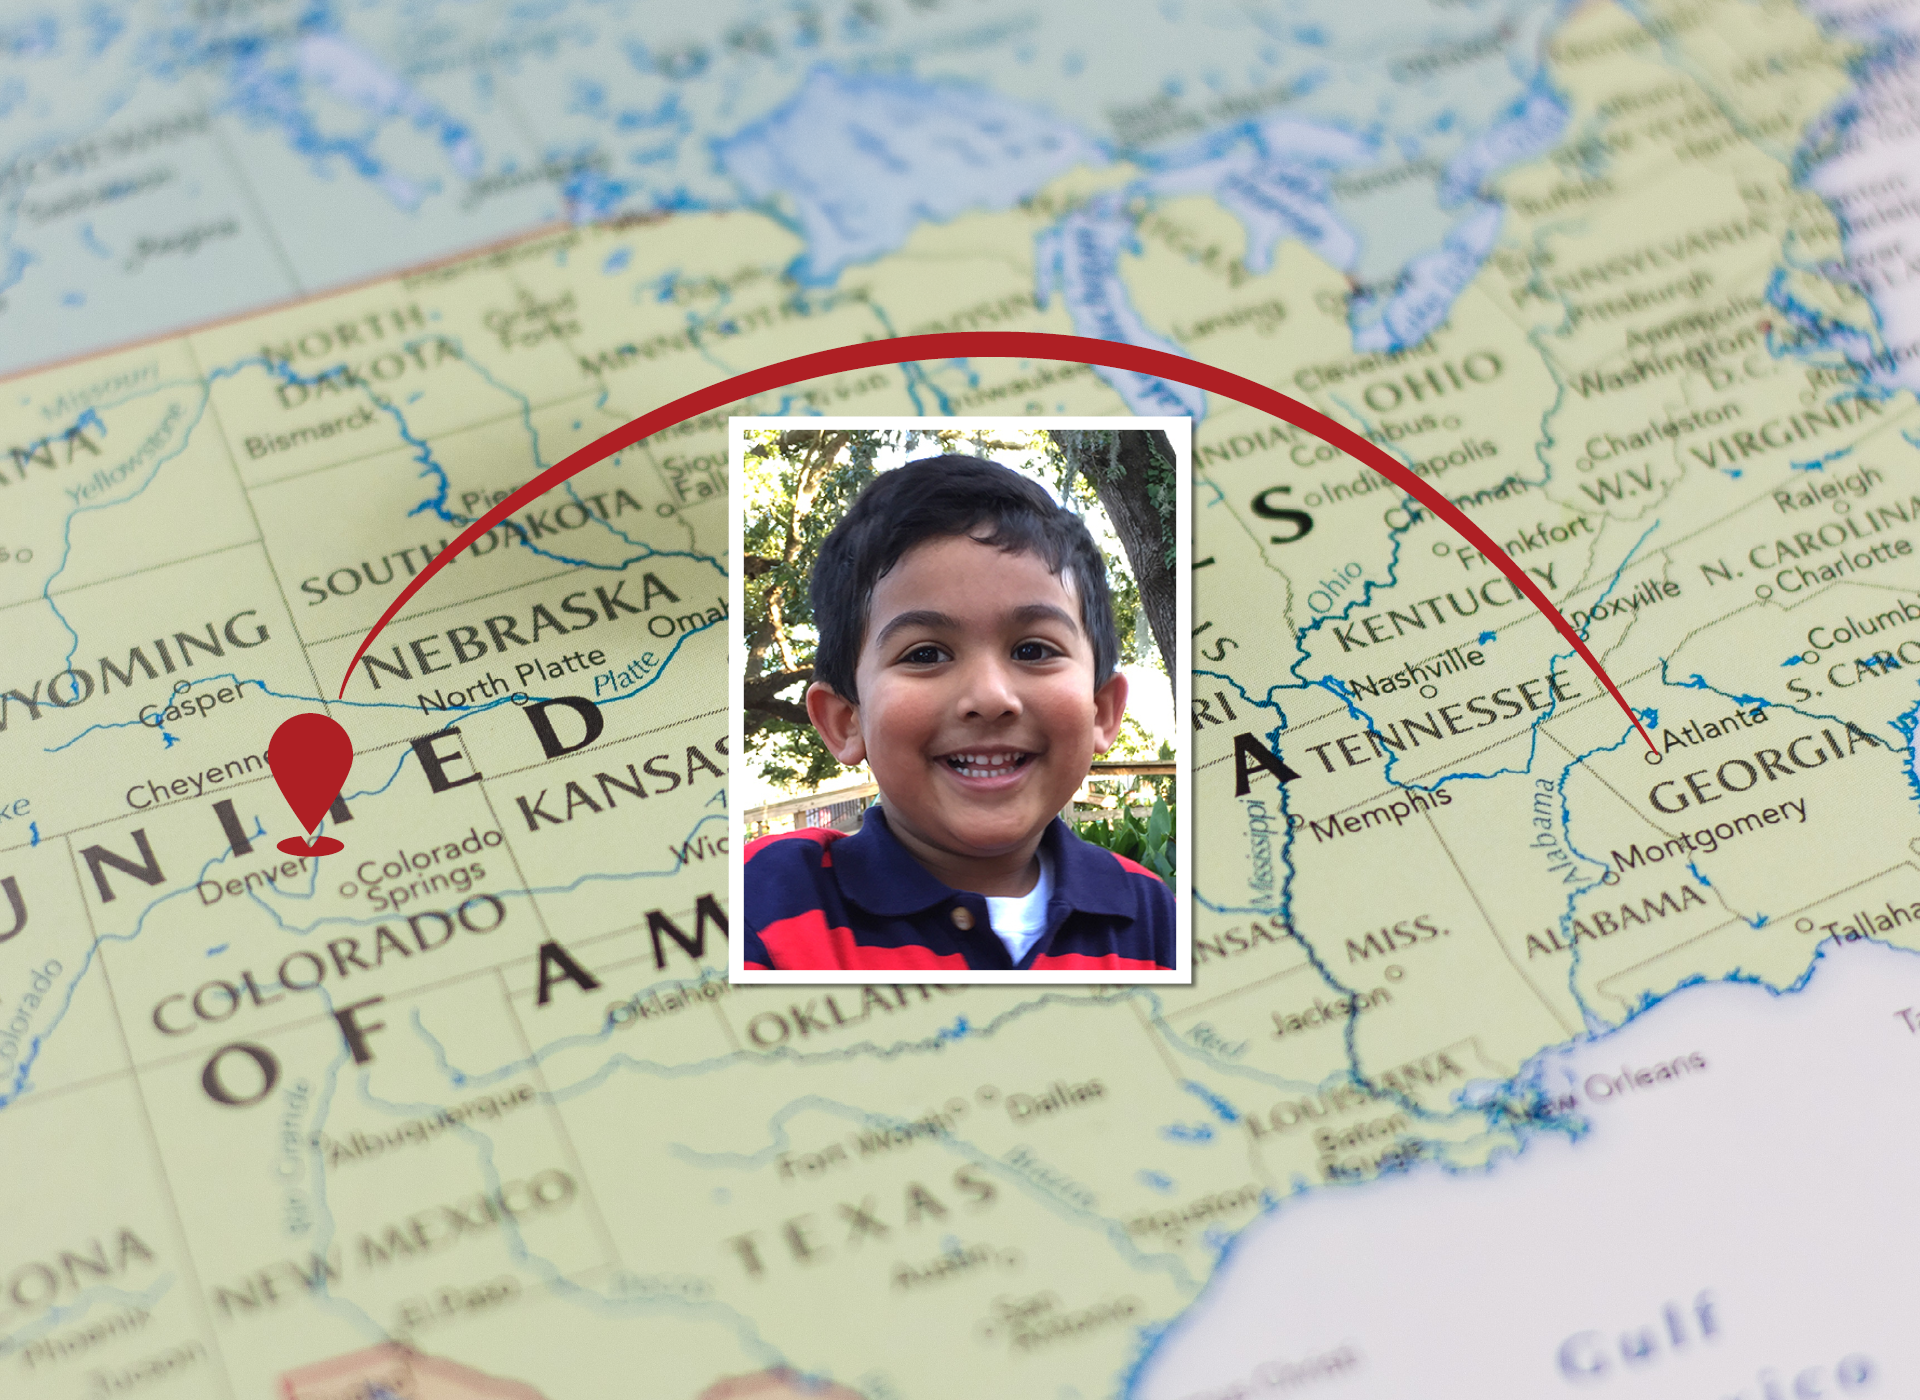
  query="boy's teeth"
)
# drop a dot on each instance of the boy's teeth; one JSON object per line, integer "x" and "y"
{"x": 979, "y": 765}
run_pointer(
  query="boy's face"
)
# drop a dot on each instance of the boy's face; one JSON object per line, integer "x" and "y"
{"x": 977, "y": 713}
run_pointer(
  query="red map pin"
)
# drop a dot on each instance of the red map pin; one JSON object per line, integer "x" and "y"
{"x": 310, "y": 756}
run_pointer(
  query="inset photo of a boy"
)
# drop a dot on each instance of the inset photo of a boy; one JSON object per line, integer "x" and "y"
{"x": 960, "y": 700}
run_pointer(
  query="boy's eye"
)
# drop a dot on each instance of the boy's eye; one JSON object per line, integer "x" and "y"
{"x": 1033, "y": 651}
{"x": 924, "y": 656}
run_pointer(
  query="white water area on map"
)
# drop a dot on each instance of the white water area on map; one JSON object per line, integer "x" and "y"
{"x": 1744, "y": 1226}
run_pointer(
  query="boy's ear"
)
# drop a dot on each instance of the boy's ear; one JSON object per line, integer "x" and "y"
{"x": 837, "y": 721}
{"x": 1109, "y": 708}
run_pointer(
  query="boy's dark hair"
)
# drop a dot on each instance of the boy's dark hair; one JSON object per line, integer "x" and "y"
{"x": 933, "y": 498}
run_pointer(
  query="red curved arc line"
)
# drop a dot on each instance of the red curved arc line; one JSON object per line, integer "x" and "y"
{"x": 1019, "y": 345}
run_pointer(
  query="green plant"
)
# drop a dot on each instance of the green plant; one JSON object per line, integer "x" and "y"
{"x": 1149, "y": 842}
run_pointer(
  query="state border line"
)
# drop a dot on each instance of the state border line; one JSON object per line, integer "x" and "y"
{"x": 173, "y": 563}
{"x": 1493, "y": 930}
{"x": 1728, "y": 925}
{"x": 1024, "y": 346}
{"x": 462, "y": 601}
{"x": 163, "y": 1178}
{"x": 382, "y": 747}
{"x": 1446, "y": 773}
{"x": 212, "y": 323}
{"x": 253, "y": 511}
{"x": 304, "y": 1021}
{"x": 1303, "y": 966}
{"x": 557, "y": 1122}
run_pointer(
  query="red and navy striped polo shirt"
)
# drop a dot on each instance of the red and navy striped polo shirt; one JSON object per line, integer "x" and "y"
{"x": 819, "y": 901}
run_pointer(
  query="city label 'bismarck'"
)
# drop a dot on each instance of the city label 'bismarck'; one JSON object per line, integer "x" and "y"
{"x": 468, "y": 646}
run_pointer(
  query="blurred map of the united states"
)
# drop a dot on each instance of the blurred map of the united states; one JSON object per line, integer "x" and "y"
{"x": 478, "y": 1085}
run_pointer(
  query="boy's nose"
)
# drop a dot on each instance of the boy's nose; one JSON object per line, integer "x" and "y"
{"x": 987, "y": 690}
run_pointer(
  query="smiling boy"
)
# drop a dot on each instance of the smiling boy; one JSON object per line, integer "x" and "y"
{"x": 967, "y": 655}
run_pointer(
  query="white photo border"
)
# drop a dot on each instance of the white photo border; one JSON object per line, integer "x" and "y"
{"x": 1179, "y": 431}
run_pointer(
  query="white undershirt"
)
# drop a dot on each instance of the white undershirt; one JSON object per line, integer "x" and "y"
{"x": 1019, "y": 920}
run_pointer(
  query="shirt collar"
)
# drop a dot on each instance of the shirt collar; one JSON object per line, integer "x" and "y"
{"x": 881, "y": 876}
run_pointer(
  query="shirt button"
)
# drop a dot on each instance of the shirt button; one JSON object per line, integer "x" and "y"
{"x": 962, "y": 917}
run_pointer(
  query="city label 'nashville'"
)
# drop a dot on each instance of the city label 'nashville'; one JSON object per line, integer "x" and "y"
{"x": 1447, "y": 720}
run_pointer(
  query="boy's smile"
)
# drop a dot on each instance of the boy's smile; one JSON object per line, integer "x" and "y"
{"x": 977, "y": 712}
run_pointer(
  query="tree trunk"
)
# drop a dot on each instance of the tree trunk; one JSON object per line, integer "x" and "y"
{"x": 1136, "y": 520}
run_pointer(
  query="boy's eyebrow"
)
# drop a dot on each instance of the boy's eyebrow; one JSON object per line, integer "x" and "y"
{"x": 1044, "y": 612}
{"x": 917, "y": 617}
{"x": 944, "y": 622}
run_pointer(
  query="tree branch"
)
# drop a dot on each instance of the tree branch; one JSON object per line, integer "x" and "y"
{"x": 761, "y": 689}
{"x": 758, "y": 712}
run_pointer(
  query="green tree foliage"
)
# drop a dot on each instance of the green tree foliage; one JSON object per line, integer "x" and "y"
{"x": 1149, "y": 843}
